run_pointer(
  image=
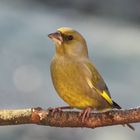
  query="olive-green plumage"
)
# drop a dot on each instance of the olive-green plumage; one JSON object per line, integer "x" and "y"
{"x": 74, "y": 76}
{"x": 70, "y": 81}
{"x": 72, "y": 71}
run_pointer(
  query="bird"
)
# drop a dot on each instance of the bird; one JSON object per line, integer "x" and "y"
{"x": 75, "y": 77}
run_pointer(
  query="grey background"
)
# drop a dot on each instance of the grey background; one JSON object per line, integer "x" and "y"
{"x": 112, "y": 31}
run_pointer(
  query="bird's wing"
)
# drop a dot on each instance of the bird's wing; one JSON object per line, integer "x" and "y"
{"x": 96, "y": 81}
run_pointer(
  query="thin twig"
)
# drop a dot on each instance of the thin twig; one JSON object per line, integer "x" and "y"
{"x": 68, "y": 118}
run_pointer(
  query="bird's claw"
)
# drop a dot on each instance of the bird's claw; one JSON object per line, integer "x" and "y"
{"x": 85, "y": 113}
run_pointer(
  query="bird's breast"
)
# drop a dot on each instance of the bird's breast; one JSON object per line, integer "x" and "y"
{"x": 69, "y": 79}
{"x": 69, "y": 83}
{"x": 65, "y": 75}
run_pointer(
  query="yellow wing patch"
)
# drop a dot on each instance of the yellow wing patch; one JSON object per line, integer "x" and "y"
{"x": 103, "y": 94}
{"x": 106, "y": 97}
{"x": 89, "y": 83}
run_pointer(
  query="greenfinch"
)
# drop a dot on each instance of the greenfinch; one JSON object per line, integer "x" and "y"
{"x": 75, "y": 77}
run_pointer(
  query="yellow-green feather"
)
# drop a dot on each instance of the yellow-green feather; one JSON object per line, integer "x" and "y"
{"x": 98, "y": 83}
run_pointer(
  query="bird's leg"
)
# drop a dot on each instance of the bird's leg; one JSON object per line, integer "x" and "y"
{"x": 85, "y": 113}
{"x": 59, "y": 109}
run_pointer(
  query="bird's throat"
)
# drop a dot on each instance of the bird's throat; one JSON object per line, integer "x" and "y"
{"x": 60, "y": 49}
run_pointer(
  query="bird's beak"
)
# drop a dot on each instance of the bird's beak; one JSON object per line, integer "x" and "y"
{"x": 56, "y": 37}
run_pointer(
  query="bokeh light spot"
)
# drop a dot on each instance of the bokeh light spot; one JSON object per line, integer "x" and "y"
{"x": 27, "y": 78}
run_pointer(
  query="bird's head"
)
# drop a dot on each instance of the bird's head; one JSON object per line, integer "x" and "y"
{"x": 69, "y": 42}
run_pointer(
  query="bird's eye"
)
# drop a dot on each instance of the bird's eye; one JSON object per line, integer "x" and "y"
{"x": 70, "y": 37}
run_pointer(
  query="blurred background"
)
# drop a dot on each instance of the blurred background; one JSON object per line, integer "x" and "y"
{"x": 112, "y": 31}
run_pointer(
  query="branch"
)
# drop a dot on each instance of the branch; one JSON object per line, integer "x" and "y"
{"x": 68, "y": 119}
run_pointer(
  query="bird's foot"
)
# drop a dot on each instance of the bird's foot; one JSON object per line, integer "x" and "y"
{"x": 59, "y": 109}
{"x": 85, "y": 113}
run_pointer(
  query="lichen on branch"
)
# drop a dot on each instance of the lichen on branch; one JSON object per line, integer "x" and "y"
{"x": 40, "y": 116}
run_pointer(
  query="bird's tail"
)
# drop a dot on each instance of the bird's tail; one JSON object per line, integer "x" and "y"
{"x": 115, "y": 105}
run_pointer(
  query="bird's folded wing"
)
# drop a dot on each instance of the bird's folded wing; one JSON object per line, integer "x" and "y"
{"x": 96, "y": 82}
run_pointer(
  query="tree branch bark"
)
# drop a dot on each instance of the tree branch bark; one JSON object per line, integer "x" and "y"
{"x": 68, "y": 118}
